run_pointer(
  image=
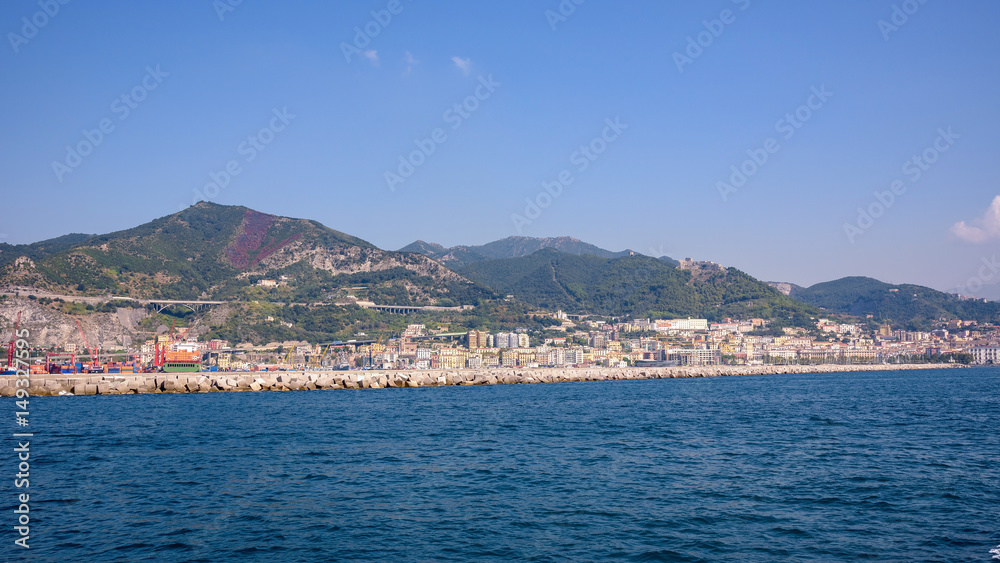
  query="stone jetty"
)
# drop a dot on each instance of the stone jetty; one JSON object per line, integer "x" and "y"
{"x": 207, "y": 382}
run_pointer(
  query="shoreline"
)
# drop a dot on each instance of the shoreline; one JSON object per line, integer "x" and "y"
{"x": 208, "y": 382}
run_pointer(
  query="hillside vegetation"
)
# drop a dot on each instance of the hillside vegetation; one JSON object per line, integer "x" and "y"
{"x": 632, "y": 286}
{"x": 214, "y": 251}
{"x": 909, "y": 306}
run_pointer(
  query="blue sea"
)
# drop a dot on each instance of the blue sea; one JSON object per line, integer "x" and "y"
{"x": 885, "y": 466}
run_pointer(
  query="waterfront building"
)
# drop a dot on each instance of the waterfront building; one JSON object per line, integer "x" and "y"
{"x": 508, "y": 358}
{"x": 474, "y": 361}
{"x": 452, "y": 358}
{"x": 573, "y": 356}
{"x": 986, "y": 354}
{"x": 525, "y": 357}
{"x": 557, "y": 357}
{"x": 697, "y": 356}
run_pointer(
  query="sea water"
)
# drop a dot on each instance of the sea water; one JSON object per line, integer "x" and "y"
{"x": 888, "y": 466}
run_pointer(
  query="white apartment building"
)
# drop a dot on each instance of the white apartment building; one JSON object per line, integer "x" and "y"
{"x": 557, "y": 357}
{"x": 573, "y": 356}
{"x": 986, "y": 354}
{"x": 682, "y": 324}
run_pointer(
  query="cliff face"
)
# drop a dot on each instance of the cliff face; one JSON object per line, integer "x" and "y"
{"x": 344, "y": 259}
{"x": 49, "y": 327}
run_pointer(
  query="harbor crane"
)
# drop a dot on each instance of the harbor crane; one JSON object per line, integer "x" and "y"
{"x": 95, "y": 359}
{"x": 317, "y": 361}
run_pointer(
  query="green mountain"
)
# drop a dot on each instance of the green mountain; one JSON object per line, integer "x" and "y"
{"x": 911, "y": 306}
{"x": 510, "y": 247}
{"x": 212, "y": 251}
{"x": 219, "y": 252}
{"x": 37, "y": 250}
{"x": 638, "y": 286}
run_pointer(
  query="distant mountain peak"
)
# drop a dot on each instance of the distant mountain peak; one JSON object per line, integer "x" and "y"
{"x": 423, "y": 247}
{"x": 510, "y": 247}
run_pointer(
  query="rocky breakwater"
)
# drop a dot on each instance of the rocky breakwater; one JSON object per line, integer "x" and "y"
{"x": 207, "y": 382}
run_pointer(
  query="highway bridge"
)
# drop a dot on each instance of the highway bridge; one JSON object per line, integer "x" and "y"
{"x": 161, "y": 304}
{"x": 405, "y": 309}
{"x": 198, "y": 305}
{"x": 442, "y": 335}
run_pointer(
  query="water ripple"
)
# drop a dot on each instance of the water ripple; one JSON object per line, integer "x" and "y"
{"x": 894, "y": 466}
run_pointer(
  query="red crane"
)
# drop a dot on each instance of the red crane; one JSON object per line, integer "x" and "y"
{"x": 161, "y": 349}
{"x": 95, "y": 359}
{"x": 177, "y": 333}
{"x": 160, "y": 356}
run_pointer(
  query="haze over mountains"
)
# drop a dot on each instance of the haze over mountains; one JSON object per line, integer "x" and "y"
{"x": 213, "y": 251}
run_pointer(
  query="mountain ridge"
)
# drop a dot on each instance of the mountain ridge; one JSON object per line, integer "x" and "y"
{"x": 910, "y": 305}
{"x": 212, "y": 251}
{"x": 510, "y": 247}
{"x": 216, "y": 251}
{"x": 633, "y": 285}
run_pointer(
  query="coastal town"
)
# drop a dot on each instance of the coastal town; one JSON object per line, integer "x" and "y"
{"x": 636, "y": 343}
{"x": 581, "y": 343}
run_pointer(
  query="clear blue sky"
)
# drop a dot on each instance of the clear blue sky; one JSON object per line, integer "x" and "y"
{"x": 654, "y": 189}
